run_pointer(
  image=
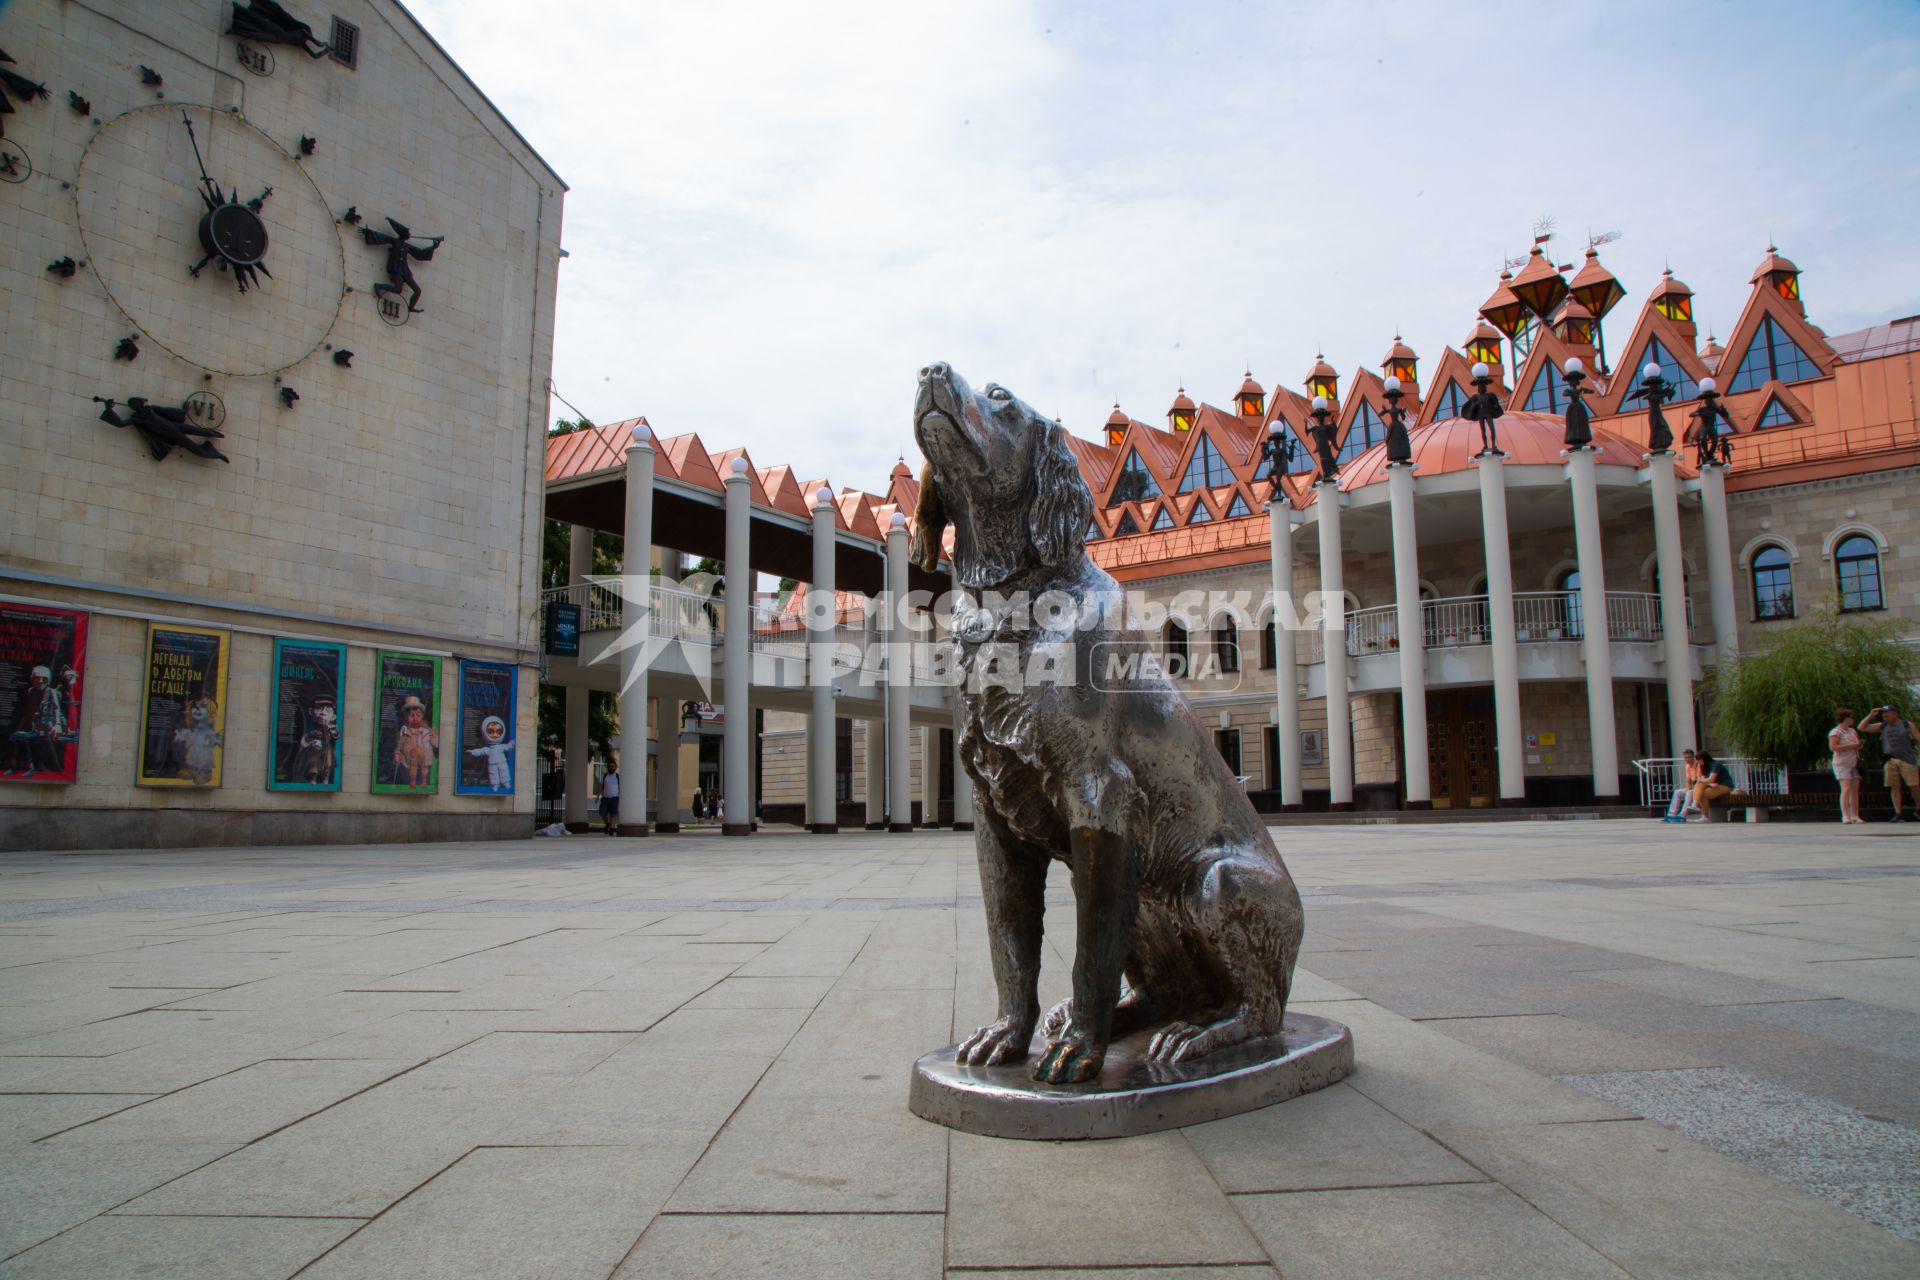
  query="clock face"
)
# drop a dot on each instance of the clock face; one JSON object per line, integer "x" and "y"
{"x": 235, "y": 233}
{"x": 148, "y": 218}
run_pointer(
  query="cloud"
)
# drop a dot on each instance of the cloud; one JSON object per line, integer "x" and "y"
{"x": 778, "y": 213}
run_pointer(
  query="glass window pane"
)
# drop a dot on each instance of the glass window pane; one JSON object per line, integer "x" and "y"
{"x": 1136, "y": 483}
{"x": 1238, "y": 507}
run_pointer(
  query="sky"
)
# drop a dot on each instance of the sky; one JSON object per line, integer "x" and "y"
{"x": 779, "y": 212}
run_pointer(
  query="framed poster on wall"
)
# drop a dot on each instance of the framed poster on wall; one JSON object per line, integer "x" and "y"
{"x": 43, "y": 658}
{"x": 183, "y": 709}
{"x": 309, "y": 679}
{"x": 406, "y": 717}
{"x": 487, "y": 695}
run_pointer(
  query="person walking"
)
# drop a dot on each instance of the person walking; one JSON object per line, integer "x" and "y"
{"x": 1844, "y": 741}
{"x": 1682, "y": 803}
{"x": 1896, "y": 743}
{"x": 610, "y": 801}
{"x": 699, "y": 805}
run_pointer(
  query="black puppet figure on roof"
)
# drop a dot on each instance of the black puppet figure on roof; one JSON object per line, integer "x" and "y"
{"x": 1399, "y": 445}
{"x": 1325, "y": 432}
{"x": 1655, "y": 390}
{"x": 1712, "y": 442}
{"x": 1579, "y": 433}
{"x": 266, "y": 22}
{"x": 1484, "y": 407}
{"x": 14, "y": 85}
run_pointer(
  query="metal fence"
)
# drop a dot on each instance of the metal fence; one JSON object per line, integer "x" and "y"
{"x": 1758, "y": 778}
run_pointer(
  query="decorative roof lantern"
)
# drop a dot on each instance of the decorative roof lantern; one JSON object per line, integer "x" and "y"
{"x": 1180, "y": 413}
{"x": 1673, "y": 300}
{"x": 1252, "y": 398}
{"x": 1781, "y": 276}
{"x": 1539, "y": 285}
{"x": 1504, "y": 311}
{"x": 1595, "y": 288}
{"x": 1483, "y": 345}
{"x": 1322, "y": 380}
{"x": 1117, "y": 424}
{"x": 1575, "y": 325}
{"x": 1401, "y": 363}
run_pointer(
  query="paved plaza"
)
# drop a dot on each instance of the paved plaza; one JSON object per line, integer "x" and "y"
{"x": 1583, "y": 1049}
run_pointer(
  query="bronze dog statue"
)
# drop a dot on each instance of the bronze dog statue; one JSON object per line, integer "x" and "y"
{"x": 1177, "y": 885}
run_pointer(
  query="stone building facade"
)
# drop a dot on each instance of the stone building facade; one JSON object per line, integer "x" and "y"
{"x": 381, "y": 488}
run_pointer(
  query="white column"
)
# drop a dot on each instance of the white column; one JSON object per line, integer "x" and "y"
{"x": 578, "y": 761}
{"x": 1713, "y": 517}
{"x": 736, "y": 749}
{"x": 666, "y": 801}
{"x": 929, "y": 775}
{"x": 1333, "y": 604}
{"x": 1594, "y": 645}
{"x": 822, "y": 808}
{"x": 1673, "y": 602}
{"x": 875, "y": 754}
{"x": 1506, "y": 650}
{"x": 899, "y": 682}
{"x": 636, "y": 597}
{"x": 1286, "y": 659}
{"x": 1413, "y": 636}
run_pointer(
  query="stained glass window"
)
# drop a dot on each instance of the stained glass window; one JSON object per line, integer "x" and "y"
{"x": 1206, "y": 469}
{"x": 1772, "y": 354}
{"x": 1549, "y": 393}
{"x": 1775, "y": 415}
{"x": 1136, "y": 483}
{"x": 1772, "y": 584}
{"x": 1856, "y": 562}
{"x": 1450, "y": 402}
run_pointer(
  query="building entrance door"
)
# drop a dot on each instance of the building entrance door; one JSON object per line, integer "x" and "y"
{"x": 1460, "y": 753}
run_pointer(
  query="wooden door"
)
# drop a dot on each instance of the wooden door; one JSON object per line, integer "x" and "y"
{"x": 1461, "y": 763}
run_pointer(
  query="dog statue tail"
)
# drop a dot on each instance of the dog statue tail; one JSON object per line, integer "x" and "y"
{"x": 929, "y": 524}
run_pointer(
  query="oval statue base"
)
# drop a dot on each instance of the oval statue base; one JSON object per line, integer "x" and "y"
{"x": 1131, "y": 1095}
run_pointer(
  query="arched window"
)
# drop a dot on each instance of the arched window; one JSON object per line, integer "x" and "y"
{"x": 1856, "y": 563}
{"x": 1569, "y": 588}
{"x": 1772, "y": 584}
{"x": 1269, "y": 651}
{"x": 1176, "y": 647}
{"x": 1226, "y": 644}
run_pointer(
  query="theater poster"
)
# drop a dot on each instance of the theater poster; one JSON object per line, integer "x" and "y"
{"x": 43, "y": 658}
{"x": 183, "y": 716}
{"x": 309, "y": 678}
{"x": 406, "y": 736}
{"x": 486, "y": 728}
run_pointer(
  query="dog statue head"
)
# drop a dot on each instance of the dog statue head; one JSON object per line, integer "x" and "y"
{"x": 1002, "y": 476}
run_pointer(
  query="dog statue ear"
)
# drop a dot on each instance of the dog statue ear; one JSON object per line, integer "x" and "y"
{"x": 929, "y": 524}
{"x": 1062, "y": 508}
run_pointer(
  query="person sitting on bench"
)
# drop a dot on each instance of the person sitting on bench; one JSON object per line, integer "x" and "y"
{"x": 1715, "y": 784}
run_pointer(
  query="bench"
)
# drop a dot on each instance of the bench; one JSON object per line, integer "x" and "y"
{"x": 1760, "y": 808}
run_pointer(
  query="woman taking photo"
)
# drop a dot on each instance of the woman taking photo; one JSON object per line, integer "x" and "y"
{"x": 1844, "y": 741}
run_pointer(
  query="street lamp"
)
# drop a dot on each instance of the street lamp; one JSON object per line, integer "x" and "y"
{"x": 1399, "y": 446}
{"x": 1711, "y": 442}
{"x": 1278, "y": 453}
{"x": 1579, "y": 433}
{"x": 1656, "y": 391}
{"x": 1323, "y": 431}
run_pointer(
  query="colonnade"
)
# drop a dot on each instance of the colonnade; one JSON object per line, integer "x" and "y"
{"x": 1579, "y": 469}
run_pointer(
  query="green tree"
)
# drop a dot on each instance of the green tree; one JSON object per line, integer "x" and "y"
{"x": 1778, "y": 703}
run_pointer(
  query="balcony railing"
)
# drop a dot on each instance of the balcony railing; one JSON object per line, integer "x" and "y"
{"x": 1538, "y": 617}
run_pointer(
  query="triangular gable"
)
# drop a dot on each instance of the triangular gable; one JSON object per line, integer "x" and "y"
{"x": 1779, "y": 407}
{"x": 1453, "y": 369}
{"x": 1366, "y": 411}
{"x": 1764, "y": 304}
{"x": 722, "y": 466}
{"x": 903, "y": 490}
{"x": 1238, "y": 507}
{"x": 1133, "y": 480}
{"x": 1162, "y": 520}
{"x": 1126, "y": 525}
{"x": 1626, "y": 380}
{"x": 1771, "y": 355}
{"x": 1096, "y": 461}
{"x": 1549, "y": 349}
{"x": 1094, "y": 531}
{"x": 1201, "y": 512}
{"x": 1292, "y": 410}
{"x": 1238, "y": 439}
{"x": 782, "y": 492}
{"x": 856, "y": 512}
{"x": 808, "y": 488}
{"x": 1205, "y": 467}
{"x": 691, "y": 461}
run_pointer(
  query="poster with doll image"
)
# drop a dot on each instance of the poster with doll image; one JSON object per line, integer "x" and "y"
{"x": 304, "y": 735}
{"x": 43, "y": 654}
{"x": 183, "y": 717}
{"x": 406, "y": 738}
{"x": 487, "y": 691}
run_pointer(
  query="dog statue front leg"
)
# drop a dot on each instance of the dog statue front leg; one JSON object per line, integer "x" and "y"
{"x": 1013, "y": 881}
{"x": 1105, "y": 882}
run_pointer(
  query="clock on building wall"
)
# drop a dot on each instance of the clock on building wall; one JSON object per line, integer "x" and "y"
{"x": 210, "y": 238}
